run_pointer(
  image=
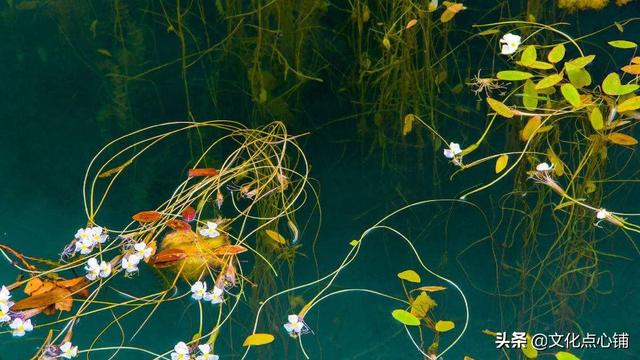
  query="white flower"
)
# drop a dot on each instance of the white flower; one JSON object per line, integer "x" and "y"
{"x": 20, "y": 327}
{"x": 143, "y": 251}
{"x": 510, "y": 43}
{"x": 84, "y": 246}
{"x": 180, "y": 351}
{"x": 602, "y": 214}
{"x": 83, "y": 234}
{"x": 4, "y": 314}
{"x": 98, "y": 235}
{"x": 295, "y": 325}
{"x": 211, "y": 230}
{"x": 543, "y": 167}
{"x": 130, "y": 263}
{"x": 94, "y": 269}
{"x": 5, "y": 297}
{"x": 198, "y": 290}
{"x": 215, "y": 296}
{"x": 453, "y": 150}
{"x": 205, "y": 349}
{"x": 68, "y": 350}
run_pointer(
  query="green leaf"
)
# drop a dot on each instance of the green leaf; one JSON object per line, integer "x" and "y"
{"x": 582, "y": 61}
{"x": 596, "y": 119}
{"x": 556, "y": 54}
{"x": 513, "y": 75}
{"x": 258, "y": 339}
{"x": 409, "y": 275}
{"x": 405, "y": 317}
{"x": 529, "y": 55}
{"x": 444, "y": 325}
{"x": 611, "y": 86}
{"x": 530, "y": 96}
{"x": 622, "y": 44}
{"x": 548, "y": 81}
{"x": 541, "y": 65}
{"x": 571, "y": 94}
{"x": 354, "y": 242}
{"x": 500, "y": 108}
{"x": 579, "y": 77}
{"x": 563, "y": 355}
{"x": 629, "y": 104}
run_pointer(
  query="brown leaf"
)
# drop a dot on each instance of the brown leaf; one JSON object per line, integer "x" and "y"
{"x": 431, "y": 288}
{"x": 33, "y": 285}
{"x": 57, "y": 294}
{"x": 621, "y": 139}
{"x": 229, "y": 250}
{"x": 178, "y": 225}
{"x": 147, "y": 216}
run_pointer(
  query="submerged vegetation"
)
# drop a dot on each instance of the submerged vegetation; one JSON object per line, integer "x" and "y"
{"x": 510, "y": 97}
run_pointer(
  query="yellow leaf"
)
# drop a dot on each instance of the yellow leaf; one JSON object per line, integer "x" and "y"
{"x": 530, "y": 127}
{"x": 422, "y": 304}
{"x": 501, "y": 163}
{"x": 563, "y": 355}
{"x": 407, "y": 125}
{"x": 621, "y": 139}
{"x": 629, "y": 104}
{"x": 354, "y": 242}
{"x": 558, "y": 165}
{"x": 409, "y": 275}
{"x": 451, "y": 11}
{"x": 386, "y": 43}
{"x": 444, "y": 325}
{"x": 411, "y": 24}
{"x": 556, "y": 54}
{"x": 548, "y": 81}
{"x": 275, "y": 236}
{"x": 633, "y": 69}
{"x": 500, "y": 108}
{"x": 597, "y": 122}
{"x": 258, "y": 339}
{"x": 528, "y": 350}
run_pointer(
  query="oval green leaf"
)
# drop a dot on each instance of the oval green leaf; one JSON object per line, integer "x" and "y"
{"x": 405, "y": 317}
{"x": 579, "y": 77}
{"x": 596, "y": 119}
{"x": 409, "y": 275}
{"x": 582, "y": 61}
{"x": 444, "y": 325}
{"x": 500, "y": 108}
{"x": 629, "y": 104}
{"x": 513, "y": 75}
{"x": 530, "y": 96}
{"x": 556, "y": 54}
{"x": 529, "y": 55}
{"x": 541, "y": 65}
{"x": 611, "y": 86}
{"x": 571, "y": 94}
{"x": 623, "y": 44}
{"x": 258, "y": 339}
{"x": 549, "y": 81}
{"x": 563, "y": 355}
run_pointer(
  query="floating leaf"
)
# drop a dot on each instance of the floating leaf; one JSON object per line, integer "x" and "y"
{"x": 409, "y": 275}
{"x": 622, "y": 44}
{"x": 529, "y": 55}
{"x": 548, "y": 81}
{"x": 444, "y": 325}
{"x": 500, "y": 108}
{"x": 563, "y": 355}
{"x": 354, "y": 242}
{"x": 407, "y": 125}
{"x": 582, "y": 61}
{"x": 556, "y": 54}
{"x": 621, "y": 139}
{"x": 431, "y": 288}
{"x": 147, "y": 216}
{"x": 579, "y": 77}
{"x": 405, "y": 317}
{"x": 530, "y": 128}
{"x": 386, "y": 43}
{"x": 275, "y": 236}
{"x": 558, "y": 165}
{"x": 528, "y": 350}
{"x": 596, "y": 119}
{"x": 635, "y": 60}
{"x": 229, "y": 250}
{"x": 611, "y": 86}
{"x": 501, "y": 163}
{"x": 451, "y": 10}
{"x": 202, "y": 172}
{"x": 433, "y": 5}
{"x": 629, "y": 104}
{"x": 541, "y": 65}
{"x": 178, "y": 225}
{"x": 570, "y": 94}
{"x": 633, "y": 69}
{"x": 258, "y": 339}
{"x": 513, "y": 75}
{"x": 530, "y": 96}
{"x": 489, "y": 32}
{"x": 411, "y": 24}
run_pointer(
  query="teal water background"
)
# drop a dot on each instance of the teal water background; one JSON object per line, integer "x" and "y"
{"x": 48, "y": 111}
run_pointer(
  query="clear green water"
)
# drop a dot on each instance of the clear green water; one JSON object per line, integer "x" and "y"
{"x": 49, "y": 99}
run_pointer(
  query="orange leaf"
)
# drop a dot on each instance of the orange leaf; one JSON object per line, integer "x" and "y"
{"x": 631, "y": 69}
{"x": 46, "y": 286}
{"x": 33, "y": 285}
{"x": 203, "y": 172}
{"x": 433, "y": 288}
{"x": 178, "y": 225}
{"x": 621, "y": 139}
{"x": 57, "y": 294}
{"x": 74, "y": 283}
{"x": 147, "y": 216}
{"x": 411, "y": 24}
{"x": 168, "y": 257}
{"x": 229, "y": 250}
